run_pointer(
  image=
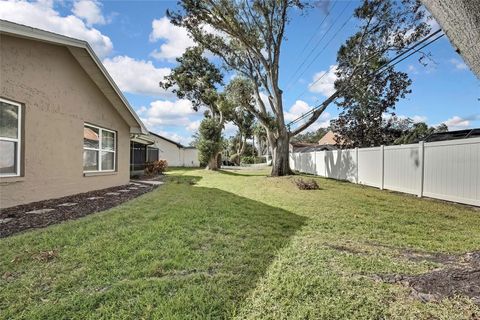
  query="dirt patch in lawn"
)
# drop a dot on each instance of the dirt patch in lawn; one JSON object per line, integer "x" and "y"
{"x": 44, "y": 213}
{"x": 456, "y": 275}
{"x": 460, "y": 275}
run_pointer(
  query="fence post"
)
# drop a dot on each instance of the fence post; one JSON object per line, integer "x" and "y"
{"x": 421, "y": 161}
{"x": 356, "y": 165}
{"x": 382, "y": 155}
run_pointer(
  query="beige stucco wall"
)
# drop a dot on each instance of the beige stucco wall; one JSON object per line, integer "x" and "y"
{"x": 58, "y": 98}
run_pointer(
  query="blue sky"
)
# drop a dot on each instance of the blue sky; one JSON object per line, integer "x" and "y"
{"x": 138, "y": 46}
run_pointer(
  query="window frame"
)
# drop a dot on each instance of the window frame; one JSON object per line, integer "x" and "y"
{"x": 100, "y": 150}
{"x": 18, "y": 140}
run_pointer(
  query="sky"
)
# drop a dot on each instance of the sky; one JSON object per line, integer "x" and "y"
{"x": 138, "y": 46}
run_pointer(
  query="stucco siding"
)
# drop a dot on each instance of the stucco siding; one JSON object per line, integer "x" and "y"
{"x": 175, "y": 155}
{"x": 58, "y": 97}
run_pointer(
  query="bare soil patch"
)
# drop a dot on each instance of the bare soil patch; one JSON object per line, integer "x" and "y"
{"x": 17, "y": 219}
{"x": 459, "y": 275}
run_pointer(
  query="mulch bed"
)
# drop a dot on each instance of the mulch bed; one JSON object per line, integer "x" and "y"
{"x": 16, "y": 219}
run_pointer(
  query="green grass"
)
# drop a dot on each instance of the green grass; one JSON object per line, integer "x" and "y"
{"x": 214, "y": 245}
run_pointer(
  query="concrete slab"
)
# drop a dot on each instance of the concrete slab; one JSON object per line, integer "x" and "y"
{"x": 94, "y": 198}
{"x": 5, "y": 220}
{"x": 67, "y": 204}
{"x": 39, "y": 211}
{"x": 151, "y": 182}
{"x": 133, "y": 188}
{"x": 112, "y": 194}
{"x": 124, "y": 190}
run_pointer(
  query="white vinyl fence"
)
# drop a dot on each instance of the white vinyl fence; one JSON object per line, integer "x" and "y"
{"x": 448, "y": 170}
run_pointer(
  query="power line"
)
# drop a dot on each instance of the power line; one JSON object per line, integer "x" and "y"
{"x": 323, "y": 49}
{"x": 317, "y": 29}
{"x": 316, "y": 46}
{"x": 398, "y": 56}
{"x": 379, "y": 70}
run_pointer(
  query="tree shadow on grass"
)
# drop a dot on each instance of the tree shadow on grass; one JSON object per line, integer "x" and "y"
{"x": 242, "y": 172}
{"x": 182, "y": 252}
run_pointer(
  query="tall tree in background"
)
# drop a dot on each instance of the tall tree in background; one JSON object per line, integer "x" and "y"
{"x": 248, "y": 37}
{"x": 239, "y": 97}
{"x": 419, "y": 131}
{"x": 196, "y": 79}
{"x": 372, "y": 93}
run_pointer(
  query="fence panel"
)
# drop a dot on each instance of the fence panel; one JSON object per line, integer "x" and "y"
{"x": 370, "y": 167}
{"x": 452, "y": 170}
{"x": 341, "y": 165}
{"x": 320, "y": 163}
{"x": 402, "y": 168}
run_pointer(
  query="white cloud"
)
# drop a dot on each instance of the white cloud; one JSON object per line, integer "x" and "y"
{"x": 137, "y": 76}
{"x": 178, "y": 113}
{"x": 417, "y": 118}
{"x": 90, "y": 11}
{"x": 40, "y": 14}
{"x": 458, "y": 64}
{"x": 176, "y": 39}
{"x": 457, "y": 123}
{"x": 230, "y": 129}
{"x": 323, "y": 82}
{"x": 193, "y": 126}
{"x": 183, "y": 140}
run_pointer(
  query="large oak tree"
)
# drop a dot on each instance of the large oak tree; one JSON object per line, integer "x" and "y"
{"x": 248, "y": 37}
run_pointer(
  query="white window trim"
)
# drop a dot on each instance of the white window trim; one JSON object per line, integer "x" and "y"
{"x": 100, "y": 150}
{"x": 18, "y": 140}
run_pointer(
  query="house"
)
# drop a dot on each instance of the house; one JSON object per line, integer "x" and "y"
{"x": 453, "y": 135}
{"x": 175, "y": 153}
{"x": 65, "y": 127}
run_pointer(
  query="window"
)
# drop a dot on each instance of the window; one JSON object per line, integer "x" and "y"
{"x": 152, "y": 154}
{"x": 99, "y": 147}
{"x": 10, "y": 138}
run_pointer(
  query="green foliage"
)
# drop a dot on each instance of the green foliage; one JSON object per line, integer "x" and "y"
{"x": 310, "y": 137}
{"x": 210, "y": 139}
{"x": 387, "y": 27}
{"x": 247, "y": 160}
{"x": 196, "y": 79}
{"x": 418, "y": 132}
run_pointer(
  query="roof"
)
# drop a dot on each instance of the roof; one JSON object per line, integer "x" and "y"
{"x": 89, "y": 61}
{"x": 453, "y": 135}
{"x": 308, "y": 147}
{"x": 328, "y": 139}
{"x": 166, "y": 139}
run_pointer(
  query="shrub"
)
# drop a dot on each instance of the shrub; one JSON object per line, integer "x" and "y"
{"x": 307, "y": 185}
{"x": 247, "y": 160}
{"x": 157, "y": 167}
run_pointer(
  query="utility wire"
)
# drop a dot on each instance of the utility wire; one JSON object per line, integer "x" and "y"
{"x": 379, "y": 70}
{"x": 317, "y": 29}
{"x": 390, "y": 61}
{"x": 316, "y": 46}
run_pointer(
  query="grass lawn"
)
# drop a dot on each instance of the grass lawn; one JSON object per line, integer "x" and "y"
{"x": 238, "y": 245}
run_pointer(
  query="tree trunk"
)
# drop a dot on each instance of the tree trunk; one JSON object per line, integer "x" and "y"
{"x": 280, "y": 154}
{"x": 213, "y": 163}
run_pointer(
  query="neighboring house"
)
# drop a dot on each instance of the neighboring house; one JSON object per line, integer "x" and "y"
{"x": 453, "y": 135}
{"x": 65, "y": 127}
{"x": 176, "y": 154}
{"x": 328, "y": 141}
{"x": 308, "y": 147}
